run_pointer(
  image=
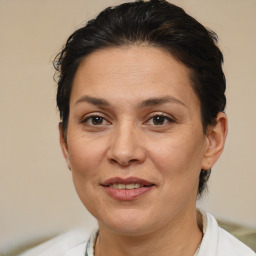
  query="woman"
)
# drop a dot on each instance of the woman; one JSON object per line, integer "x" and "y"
{"x": 141, "y": 100}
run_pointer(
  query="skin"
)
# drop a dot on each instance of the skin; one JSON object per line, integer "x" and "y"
{"x": 128, "y": 141}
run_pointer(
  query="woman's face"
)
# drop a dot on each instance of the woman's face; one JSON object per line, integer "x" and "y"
{"x": 135, "y": 142}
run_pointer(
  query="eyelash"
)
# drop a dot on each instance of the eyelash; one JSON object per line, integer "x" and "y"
{"x": 165, "y": 119}
{"x": 86, "y": 120}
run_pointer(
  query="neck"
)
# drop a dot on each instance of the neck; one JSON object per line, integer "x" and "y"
{"x": 174, "y": 239}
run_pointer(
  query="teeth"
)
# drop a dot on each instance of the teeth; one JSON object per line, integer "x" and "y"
{"x": 126, "y": 186}
{"x": 137, "y": 185}
{"x": 130, "y": 186}
{"x": 121, "y": 186}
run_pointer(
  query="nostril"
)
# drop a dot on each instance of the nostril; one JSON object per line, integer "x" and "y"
{"x": 113, "y": 161}
{"x": 123, "y": 162}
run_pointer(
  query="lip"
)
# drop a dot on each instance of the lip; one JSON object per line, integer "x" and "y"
{"x": 127, "y": 194}
{"x": 128, "y": 180}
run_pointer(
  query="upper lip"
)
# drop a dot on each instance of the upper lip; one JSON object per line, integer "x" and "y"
{"x": 129, "y": 180}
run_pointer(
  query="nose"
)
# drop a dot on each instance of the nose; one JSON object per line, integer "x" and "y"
{"x": 126, "y": 146}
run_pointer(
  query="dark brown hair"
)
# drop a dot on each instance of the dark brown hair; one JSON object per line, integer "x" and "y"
{"x": 155, "y": 23}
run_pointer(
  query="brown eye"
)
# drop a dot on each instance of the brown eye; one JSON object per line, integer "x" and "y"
{"x": 97, "y": 120}
{"x": 159, "y": 120}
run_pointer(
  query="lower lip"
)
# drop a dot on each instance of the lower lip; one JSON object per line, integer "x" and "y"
{"x": 127, "y": 194}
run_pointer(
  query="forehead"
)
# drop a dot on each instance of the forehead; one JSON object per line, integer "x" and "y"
{"x": 140, "y": 71}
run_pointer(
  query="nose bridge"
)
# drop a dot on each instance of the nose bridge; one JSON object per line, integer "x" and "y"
{"x": 126, "y": 146}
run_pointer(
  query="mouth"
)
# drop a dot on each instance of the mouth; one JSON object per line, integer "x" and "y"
{"x": 127, "y": 183}
{"x": 126, "y": 189}
{"x": 127, "y": 186}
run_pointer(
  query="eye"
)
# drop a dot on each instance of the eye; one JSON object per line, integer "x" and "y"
{"x": 95, "y": 121}
{"x": 159, "y": 120}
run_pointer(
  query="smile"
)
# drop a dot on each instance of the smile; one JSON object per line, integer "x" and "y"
{"x": 126, "y": 189}
{"x": 126, "y": 186}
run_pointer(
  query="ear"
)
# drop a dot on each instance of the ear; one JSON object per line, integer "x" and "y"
{"x": 216, "y": 137}
{"x": 64, "y": 146}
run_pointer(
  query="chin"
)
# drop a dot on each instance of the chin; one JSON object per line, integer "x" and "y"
{"x": 128, "y": 222}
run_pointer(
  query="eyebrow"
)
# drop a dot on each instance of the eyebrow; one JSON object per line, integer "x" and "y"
{"x": 146, "y": 103}
{"x": 92, "y": 100}
{"x": 158, "y": 101}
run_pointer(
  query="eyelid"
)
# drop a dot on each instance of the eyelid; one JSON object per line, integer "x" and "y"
{"x": 167, "y": 116}
{"x": 86, "y": 117}
{"x": 106, "y": 118}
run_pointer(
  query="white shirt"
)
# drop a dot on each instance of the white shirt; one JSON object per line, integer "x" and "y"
{"x": 216, "y": 242}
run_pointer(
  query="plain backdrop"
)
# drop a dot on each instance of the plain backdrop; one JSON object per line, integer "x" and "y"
{"x": 37, "y": 197}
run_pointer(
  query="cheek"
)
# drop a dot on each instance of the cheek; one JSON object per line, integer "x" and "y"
{"x": 178, "y": 156}
{"x": 86, "y": 155}
{"x": 178, "y": 163}
{"x": 86, "y": 158}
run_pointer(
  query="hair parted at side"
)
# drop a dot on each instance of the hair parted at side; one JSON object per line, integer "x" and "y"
{"x": 155, "y": 23}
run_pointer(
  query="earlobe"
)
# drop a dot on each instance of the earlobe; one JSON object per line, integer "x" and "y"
{"x": 216, "y": 137}
{"x": 64, "y": 146}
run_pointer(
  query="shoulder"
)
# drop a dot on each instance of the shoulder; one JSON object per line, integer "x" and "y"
{"x": 218, "y": 242}
{"x": 229, "y": 245}
{"x": 72, "y": 243}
